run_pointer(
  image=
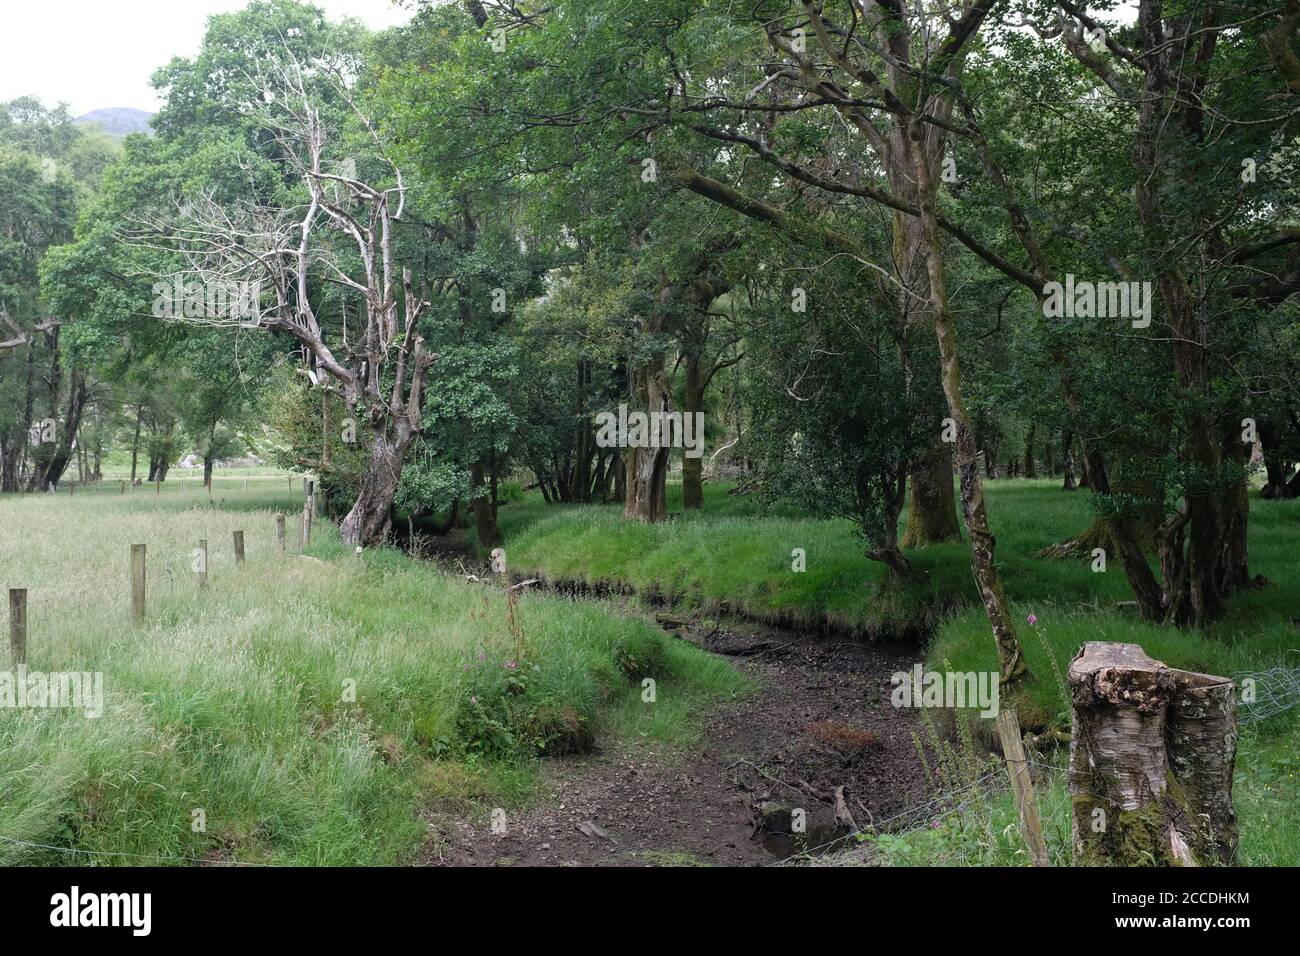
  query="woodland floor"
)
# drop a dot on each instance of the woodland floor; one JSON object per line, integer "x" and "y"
{"x": 820, "y": 720}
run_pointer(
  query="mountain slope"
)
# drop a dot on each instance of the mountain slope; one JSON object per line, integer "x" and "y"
{"x": 119, "y": 120}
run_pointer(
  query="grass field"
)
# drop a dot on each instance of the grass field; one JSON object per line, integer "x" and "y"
{"x": 233, "y": 704}
{"x": 733, "y": 553}
{"x": 316, "y": 709}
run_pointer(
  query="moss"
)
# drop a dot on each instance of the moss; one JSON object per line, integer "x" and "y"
{"x": 1130, "y": 838}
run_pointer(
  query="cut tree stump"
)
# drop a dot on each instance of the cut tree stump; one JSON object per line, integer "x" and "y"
{"x": 1151, "y": 761}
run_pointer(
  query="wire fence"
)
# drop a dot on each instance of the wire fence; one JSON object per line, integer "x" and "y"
{"x": 1268, "y": 693}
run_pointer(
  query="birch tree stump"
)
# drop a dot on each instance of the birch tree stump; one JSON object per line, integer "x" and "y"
{"x": 1151, "y": 761}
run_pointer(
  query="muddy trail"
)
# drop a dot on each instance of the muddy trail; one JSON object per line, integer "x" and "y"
{"x": 819, "y": 739}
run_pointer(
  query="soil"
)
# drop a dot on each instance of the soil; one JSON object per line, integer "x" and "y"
{"x": 821, "y": 720}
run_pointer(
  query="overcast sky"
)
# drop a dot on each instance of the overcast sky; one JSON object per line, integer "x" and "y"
{"x": 95, "y": 54}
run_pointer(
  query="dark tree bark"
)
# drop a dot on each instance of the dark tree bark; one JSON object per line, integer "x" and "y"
{"x": 1067, "y": 449}
{"x": 647, "y": 468}
{"x": 931, "y": 514}
{"x": 692, "y": 402}
{"x": 135, "y": 441}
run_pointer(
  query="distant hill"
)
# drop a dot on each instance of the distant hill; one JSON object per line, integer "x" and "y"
{"x": 119, "y": 120}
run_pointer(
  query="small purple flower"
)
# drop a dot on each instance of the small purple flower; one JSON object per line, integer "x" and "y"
{"x": 473, "y": 700}
{"x": 1033, "y": 619}
{"x": 510, "y": 665}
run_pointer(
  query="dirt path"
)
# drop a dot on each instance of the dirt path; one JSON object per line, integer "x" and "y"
{"x": 821, "y": 721}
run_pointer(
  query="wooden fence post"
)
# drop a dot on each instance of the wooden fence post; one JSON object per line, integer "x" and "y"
{"x": 137, "y": 581}
{"x": 203, "y": 562}
{"x": 18, "y": 626}
{"x": 123, "y": 489}
{"x": 279, "y": 533}
{"x": 307, "y": 506}
{"x": 239, "y": 547}
{"x": 1151, "y": 760}
{"x": 1022, "y": 786}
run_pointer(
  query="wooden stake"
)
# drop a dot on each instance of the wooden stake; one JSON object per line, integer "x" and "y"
{"x": 157, "y": 486}
{"x": 239, "y": 547}
{"x": 17, "y": 626}
{"x": 308, "y": 506}
{"x": 279, "y": 533}
{"x": 137, "y": 581}
{"x": 1022, "y": 786}
{"x": 203, "y": 562}
{"x": 123, "y": 491}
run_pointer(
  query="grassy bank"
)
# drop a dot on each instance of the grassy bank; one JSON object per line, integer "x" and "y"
{"x": 734, "y": 554}
{"x": 305, "y": 709}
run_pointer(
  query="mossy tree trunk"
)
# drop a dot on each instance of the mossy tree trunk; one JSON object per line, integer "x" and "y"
{"x": 932, "y": 504}
{"x": 1151, "y": 761}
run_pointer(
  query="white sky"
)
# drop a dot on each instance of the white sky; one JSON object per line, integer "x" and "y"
{"x": 96, "y": 54}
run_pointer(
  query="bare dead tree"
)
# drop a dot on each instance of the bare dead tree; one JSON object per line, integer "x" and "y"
{"x": 282, "y": 252}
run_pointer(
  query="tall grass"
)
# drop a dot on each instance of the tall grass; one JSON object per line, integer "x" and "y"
{"x": 305, "y": 710}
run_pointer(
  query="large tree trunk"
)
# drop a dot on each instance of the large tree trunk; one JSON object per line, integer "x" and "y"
{"x": 51, "y": 469}
{"x": 693, "y": 401}
{"x": 931, "y": 506}
{"x": 1151, "y": 761}
{"x": 1234, "y": 562}
{"x": 370, "y": 519}
{"x": 1193, "y": 594}
{"x": 1029, "y": 452}
{"x": 647, "y": 468}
